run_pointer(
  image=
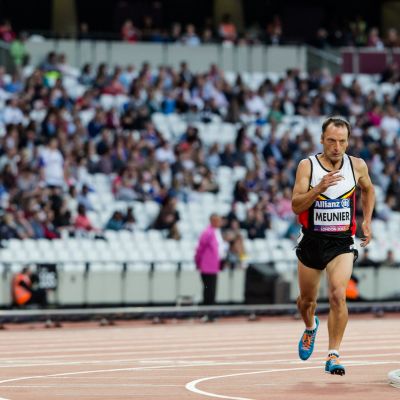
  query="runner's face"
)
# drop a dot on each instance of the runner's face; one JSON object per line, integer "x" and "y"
{"x": 335, "y": 142}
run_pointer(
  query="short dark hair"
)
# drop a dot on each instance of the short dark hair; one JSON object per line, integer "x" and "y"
{"x": 337, "y": 121}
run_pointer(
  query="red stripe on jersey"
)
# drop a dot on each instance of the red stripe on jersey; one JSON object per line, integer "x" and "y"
{"x": 353, "y": 220}
{"x": 303, "y": 218}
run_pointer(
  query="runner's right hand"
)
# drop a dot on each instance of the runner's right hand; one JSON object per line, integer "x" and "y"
{"x": 330, "y": 179}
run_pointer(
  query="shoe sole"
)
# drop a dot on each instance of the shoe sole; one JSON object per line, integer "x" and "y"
{"x": 338, "y": 371}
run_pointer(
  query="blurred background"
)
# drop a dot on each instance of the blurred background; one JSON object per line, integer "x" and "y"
{"x": 125, "y": 124}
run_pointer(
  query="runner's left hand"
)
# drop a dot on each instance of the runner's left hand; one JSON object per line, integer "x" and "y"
{"x": 366, "y": 228}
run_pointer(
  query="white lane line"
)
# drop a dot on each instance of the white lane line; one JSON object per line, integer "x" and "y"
{"x": 296, "y": 384}
{"x": 178, "y": 350}
{"x": 158, "y": 367}
{"x": 186, "y": 365}
{"x": 197, "y": 338}
{"x": 93, "y": 385}
{"x": 266, "y": 353}
{"x": 80, "y": 344}
{"x": 191, "y": 360}
{"x": 192, "y": 386}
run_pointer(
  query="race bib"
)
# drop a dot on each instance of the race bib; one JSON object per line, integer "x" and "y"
{"x": 332, "y": 215}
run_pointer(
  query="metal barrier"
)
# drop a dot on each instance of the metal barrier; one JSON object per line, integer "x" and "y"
{"x": 317, "y": 59}
{"x": 368, "y": 60}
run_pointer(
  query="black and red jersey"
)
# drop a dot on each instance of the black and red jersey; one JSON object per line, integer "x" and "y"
{"x": 333, "y": 212}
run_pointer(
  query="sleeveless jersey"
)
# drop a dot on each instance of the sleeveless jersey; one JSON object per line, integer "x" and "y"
{"x": 333, "y": 212}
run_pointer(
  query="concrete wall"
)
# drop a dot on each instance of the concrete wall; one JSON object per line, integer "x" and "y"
{"x": 110, "y": 283}
{"x": 233, "y": 58}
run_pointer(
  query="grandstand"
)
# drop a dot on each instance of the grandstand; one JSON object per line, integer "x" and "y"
{"x": 221, "y": 132}
{"x": 124, "y": 126}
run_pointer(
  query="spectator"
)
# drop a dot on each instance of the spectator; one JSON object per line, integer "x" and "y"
{"x": 207, "y": 36}
{"x": 168, "y": 216}
{"x": 8, "y": 228}
{"x": 352, "y": 290}
{"x": 114, "y": 87}
{"x": 174, "y": 233}
{"x": 293, "y": 230}
{"x": 256, "y": 224}
{"x": 129, "y": 33}
{"x": 23, "y": 227}
{"x": 86, "y": 76}
{"x": 176, "y": 32}
{"x": 374, "y": 40}
{"x": 227, "y": 29}
{"x": 236, "y": 254}
{"x": 210, "y": 251}
{"x": 82, "y": 222}
{"x": 49, "y": 229}
{"x": 25, "y": 290}
{"x": 390, "y": 260}
{"x": 6, "y": 32}
{"x": 129, "y": 220}
{"x": 64, "y": 67}
{"x": 83, "y": 198}
{"x": 52, "y": 164}
{"x": 390, "y": 122}
{"x": 240, "y": 192}
{"x": 392, "y": 38}
{"x": 358, "y": 29}
{"x": 50, "y": 64}
{"x": 15, "y": 86}
{"x": 321, "y": 39}
{"x": 190, "y": 37}
{"x": 83, "y": 32}
{"x": 116, "y": 222}
{"x": 37, "y": 222}
{"x": 12, "y": 114}
{"x": 18, "y": 50}
{"x": 366, "y": 261}
{"x": 274, "y": 31}
{"x": 97, "y": 124}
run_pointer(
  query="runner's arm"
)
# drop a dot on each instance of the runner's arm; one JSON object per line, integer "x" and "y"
{"x": 367, "y": 199}
{"x": 303, "y": 197}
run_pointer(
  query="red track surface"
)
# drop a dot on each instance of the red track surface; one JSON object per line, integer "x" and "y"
{"x": 230, "y": 359}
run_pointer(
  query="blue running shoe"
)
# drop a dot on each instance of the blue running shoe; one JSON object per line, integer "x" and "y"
{"x": 306, "y": 343}
{"x": 333, "y": 366}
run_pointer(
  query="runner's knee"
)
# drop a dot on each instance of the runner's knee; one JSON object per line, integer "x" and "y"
{"x": 306, "y": 302}
{"x": 337, "y": 297}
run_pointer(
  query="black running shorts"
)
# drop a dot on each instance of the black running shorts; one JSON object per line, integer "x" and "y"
{"x": 316, "y": 251}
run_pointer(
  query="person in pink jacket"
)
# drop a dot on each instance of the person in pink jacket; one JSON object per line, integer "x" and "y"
{"x": 209, "y": 254}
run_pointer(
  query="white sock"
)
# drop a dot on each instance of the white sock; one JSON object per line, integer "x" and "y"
{"x": 313, "y": 327}
{"x": 333, "y": 352}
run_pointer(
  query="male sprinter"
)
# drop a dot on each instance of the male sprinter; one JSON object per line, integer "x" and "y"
{"x": 324, "y": 199}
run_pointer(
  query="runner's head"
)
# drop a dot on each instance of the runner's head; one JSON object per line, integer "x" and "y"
{"x": 335, "y": 137}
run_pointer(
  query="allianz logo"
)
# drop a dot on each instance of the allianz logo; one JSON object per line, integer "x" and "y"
{"x": 343, "y": 203}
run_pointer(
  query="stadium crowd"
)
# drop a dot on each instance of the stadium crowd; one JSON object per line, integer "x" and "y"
{"x": 47, "y": 151}
{"x": 335, "y": 33}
